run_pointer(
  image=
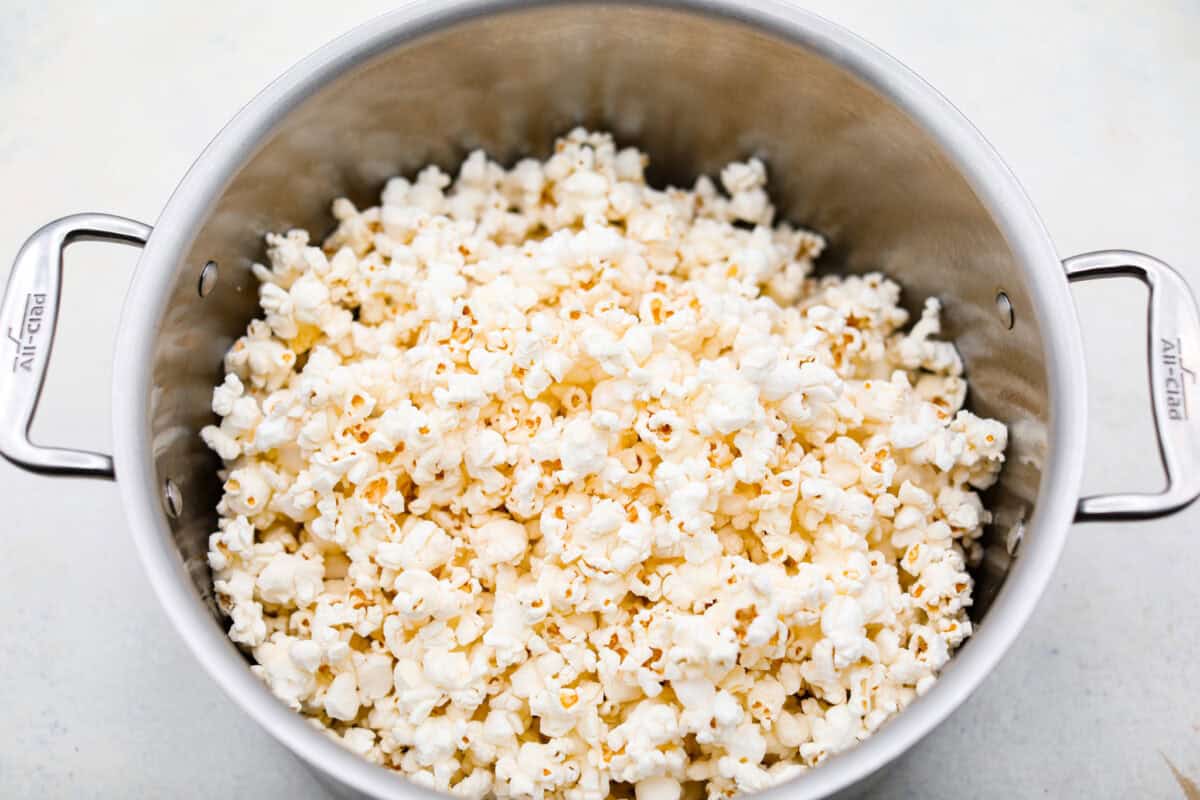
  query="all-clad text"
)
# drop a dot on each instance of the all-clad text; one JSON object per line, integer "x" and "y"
{"x": 24, "y": 336}
{"x": 1177, "y": 380}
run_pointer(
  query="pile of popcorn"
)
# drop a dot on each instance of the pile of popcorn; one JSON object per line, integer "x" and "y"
{"x": 542, "y": 482}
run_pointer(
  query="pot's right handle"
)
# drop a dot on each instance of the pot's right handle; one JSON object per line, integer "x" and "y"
{"x": 28, "y": 315}
{"x": 1174, "y": 354}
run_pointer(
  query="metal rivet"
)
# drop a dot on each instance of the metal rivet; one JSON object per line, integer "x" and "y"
{"x": 208, "y": 278}
{"x": 1004, "y": 306}
{"x": 172, "y": 499}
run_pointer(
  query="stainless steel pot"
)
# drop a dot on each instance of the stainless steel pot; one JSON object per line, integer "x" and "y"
{"x": 859, "y": 148}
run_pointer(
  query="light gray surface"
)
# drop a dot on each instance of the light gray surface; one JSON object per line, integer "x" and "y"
{"x": 1093, "y": 106}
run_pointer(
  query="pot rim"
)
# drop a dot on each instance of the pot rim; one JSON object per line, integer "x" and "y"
{"x": 972, "y": 155}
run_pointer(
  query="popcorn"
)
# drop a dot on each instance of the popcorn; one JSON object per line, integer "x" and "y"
{"x": 290, "y": 579}
{"x": 538, "y": 479}
{"x": 341, "y": 698}
{"x": 424, "y": 546}
{"x": 659, "y": 787}
{"x": 499, "y": 541}
{"x": 290, "y": 681}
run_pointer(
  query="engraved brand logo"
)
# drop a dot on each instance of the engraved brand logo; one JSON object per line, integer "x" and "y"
{"x": 1177, "y": 380}
{"x": 24, "y": 336}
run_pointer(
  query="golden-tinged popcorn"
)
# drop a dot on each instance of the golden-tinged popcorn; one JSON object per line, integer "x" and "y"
{"x": 540, "y": 481}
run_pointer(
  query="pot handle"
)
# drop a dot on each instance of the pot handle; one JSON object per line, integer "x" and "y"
{"x": 28, "y": 315}
{"x": 1174, "y": 355}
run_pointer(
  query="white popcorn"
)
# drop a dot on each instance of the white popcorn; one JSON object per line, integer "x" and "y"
{"x": 290, "y": 579}
{"x": 731, "y": 408}
{"x": 290, "y": 682}
{"x": 659, "y": 787}
{"x": 341, "y": 698}
{"x": 575, "y": 470}
{"x": 582, "y": 450}
{"x": 499, "y": 541}
{"x": 423, "y": 546}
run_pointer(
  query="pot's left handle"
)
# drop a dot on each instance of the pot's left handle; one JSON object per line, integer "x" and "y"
{"x": 28, "y": 316}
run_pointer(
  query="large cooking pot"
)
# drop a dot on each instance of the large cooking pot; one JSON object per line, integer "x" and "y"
{"x": 859, "y": 149}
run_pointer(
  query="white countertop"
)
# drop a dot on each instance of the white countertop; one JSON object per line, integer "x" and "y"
{"x": 1096, "y": 106}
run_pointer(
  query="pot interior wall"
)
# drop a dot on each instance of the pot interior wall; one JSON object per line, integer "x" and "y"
{"x": 695, "y": 92}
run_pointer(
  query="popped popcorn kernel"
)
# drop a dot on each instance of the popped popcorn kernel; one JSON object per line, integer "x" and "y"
{"x": 541, "y": 480}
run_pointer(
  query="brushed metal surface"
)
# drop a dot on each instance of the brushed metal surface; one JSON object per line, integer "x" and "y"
{"x": 858, "y": 147}
{"x": 843, "y": 160}
{"x": 28, "y": 315}
{"x": 1173, "y": 355}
